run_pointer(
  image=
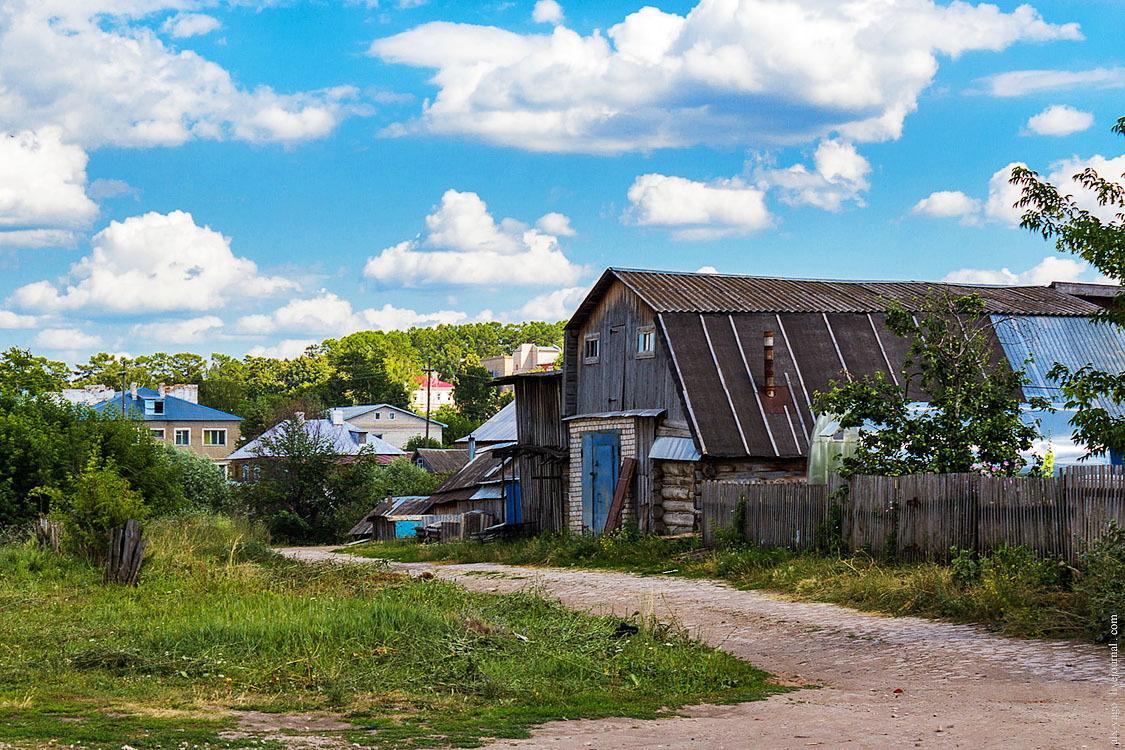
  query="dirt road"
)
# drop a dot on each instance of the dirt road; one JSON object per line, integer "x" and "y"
{"x": 960, "y": 687}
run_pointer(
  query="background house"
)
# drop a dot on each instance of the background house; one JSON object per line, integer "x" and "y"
{"x": 526, "y": 358}
{"x": 346, "y": 439}
{"x": 179, "y": 420}
{"x": 700, "y": 376}
{"x": 440, "y": 460}
{"x": 440, "y": 394}
{"x": 390, "y": 423}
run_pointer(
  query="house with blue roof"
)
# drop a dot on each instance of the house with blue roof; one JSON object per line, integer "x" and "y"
{"x": 179, "y": 421}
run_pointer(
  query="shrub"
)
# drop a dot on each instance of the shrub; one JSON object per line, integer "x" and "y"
{"x": 101, "y": 500}
{"x": 204, "y": 487}
{"x": 1102, "y": 586}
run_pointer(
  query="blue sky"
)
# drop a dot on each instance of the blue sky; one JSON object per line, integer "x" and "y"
{"x": 238, "y": 177}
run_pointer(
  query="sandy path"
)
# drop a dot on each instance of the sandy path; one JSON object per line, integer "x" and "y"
{"x": 960, "y": 687}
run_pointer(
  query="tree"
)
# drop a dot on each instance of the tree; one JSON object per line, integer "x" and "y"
{"x": 1058, "y": 216}
{"x": 420, "y": 441}
{"x": 974, "y": 414}
{"x": 201, "y": 481}
{"x": 474, "y": 393}
{"x": 457, "y": 424}
{"x": 22, "y": 373}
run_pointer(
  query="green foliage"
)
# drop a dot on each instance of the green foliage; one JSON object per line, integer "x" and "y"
{"x": 426, "y": 662}
{"x": 457, "y": 424}
{"x": 420, "y": 441}
{"x": 1057, "y": 216}
{"x": 974, "y": 414}
{"x": 474, "y": 393}
{"x": 733, "y": 536}
{"x": 23, "y": 374}
{"x": 100, "y": 500}
{"x": 202, "y": 482}
{"x": 44, "y": 444}
{"x": 1102, "y": 585}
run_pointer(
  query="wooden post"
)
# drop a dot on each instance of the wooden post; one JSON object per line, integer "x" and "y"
{"x": 613, "y": 520}
{"x": 126, "y": 552}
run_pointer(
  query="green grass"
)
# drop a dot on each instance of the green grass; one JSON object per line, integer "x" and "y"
{"x": 1018, "y": 596}
{"x": 219, "y": 625}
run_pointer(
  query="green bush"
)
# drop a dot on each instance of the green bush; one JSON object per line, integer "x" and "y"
{"x": 1102, "y": 586}
{"x": 101, "y": 501}
{"x": 202, "y": 482}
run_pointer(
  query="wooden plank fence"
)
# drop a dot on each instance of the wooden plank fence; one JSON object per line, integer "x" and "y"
{"x": 924, "y": 515}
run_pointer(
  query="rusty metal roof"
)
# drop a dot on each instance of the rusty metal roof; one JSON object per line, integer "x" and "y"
{"x": 443, "y": 460}
{"x": 668, "y": 292}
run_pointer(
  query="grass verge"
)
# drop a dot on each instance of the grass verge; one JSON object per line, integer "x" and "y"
{"x": 1011, "y": 591}
{"x": 220, "y": 626}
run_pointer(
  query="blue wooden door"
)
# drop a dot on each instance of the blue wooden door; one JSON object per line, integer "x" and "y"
{"x": 601, "y": 459}
{"x": 513, "y": 512}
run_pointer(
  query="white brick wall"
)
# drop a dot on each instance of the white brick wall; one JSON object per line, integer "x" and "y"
{"x": 577, "y": 427}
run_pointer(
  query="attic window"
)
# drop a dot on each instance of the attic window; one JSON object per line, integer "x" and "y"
{"x": 154, "y": 406}
{"x": 378, "y": 415}
{"x": 390, "y": 415}
{"x": 646, "y": 341}
{"x": 592, "y": 349}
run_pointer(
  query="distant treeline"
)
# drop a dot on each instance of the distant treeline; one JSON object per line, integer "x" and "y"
{"x": 365, "y": 367}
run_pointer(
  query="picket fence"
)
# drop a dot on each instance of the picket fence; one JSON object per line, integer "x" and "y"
{"x": 925, "y": 515}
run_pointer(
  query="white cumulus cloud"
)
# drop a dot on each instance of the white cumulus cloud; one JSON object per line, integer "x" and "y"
{"x": 948, "y": 204}
{"x": 42, "y": 189}
{"x": 155, "y": 262}
{"x": 556, "y": 224}
{"x": 65, "y": 339}
{"x": 557, "y": 305}
{"x": 183, "y": 25}
{"x": 328, "y": 314}
{"x": 1051, "y": 268}
{"x": 464, "y": 245}
{"x": 190, "y": 331}
{"x": 547, "y": 11}
{"x": 839, "y": 175}
{"x": 286, "y": 349}
{"x": 9, "y": 319}
{"x": 697, "y": 210}
{"x": 95, "y": 70}
{"x": 1059, "y": 119}
{"x": 728, "y": 72}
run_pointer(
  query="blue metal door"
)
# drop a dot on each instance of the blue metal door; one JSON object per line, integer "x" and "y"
{"x": 601, "y": 459}
{"x": 513, "y": 512}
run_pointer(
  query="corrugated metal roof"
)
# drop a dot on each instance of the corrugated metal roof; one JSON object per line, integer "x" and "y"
{"x": 501, "y": 428}
{"x": 175, "y": 409}
{"x": 612, "y": 414}
{"x": 350, "y": 412}
{"x": 674, "y": 449}
{"x": 1074, "y": 342}
{"x": 345, "y": 439}
{"x": 443, "y": 460}
{"x": 714, "y": 293}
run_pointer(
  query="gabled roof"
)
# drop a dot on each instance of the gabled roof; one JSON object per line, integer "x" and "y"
{"x": 435, "y": 382}
{"x": 485, "y": 469}
{"x": 443, "y": 460}
{"x": 175, "y": 409}
{"x": 675, "y": 292}
{"x": 351, "y": 412}
{"x": 345, "y": 439}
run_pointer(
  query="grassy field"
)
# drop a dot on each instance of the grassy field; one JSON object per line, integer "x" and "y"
{"x": 1011, "y": 592}
{"x": 220, "y": 626}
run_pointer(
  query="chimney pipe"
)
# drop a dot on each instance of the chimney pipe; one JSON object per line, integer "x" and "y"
{"x": 767, "y": 344}
{"x": 161, "y": 390}
{"x": 472, "y": 447}
{"x": 133, "y": 391}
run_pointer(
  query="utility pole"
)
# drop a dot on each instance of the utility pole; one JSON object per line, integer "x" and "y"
{"x": 429, "y": 380}
{"x": 122, "y": 389}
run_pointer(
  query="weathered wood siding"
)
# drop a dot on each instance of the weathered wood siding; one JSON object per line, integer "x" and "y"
{"x": 620, "y": 380}
{"x": 925, "y": 515}
{"x": 543, "y": 463}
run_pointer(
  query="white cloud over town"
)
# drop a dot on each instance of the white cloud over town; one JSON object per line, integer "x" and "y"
{"x": 464, "y": 245}
{"x": 1059, "y": 120}
{"x": 96, "y": 72}
{"x": 557, "y": 305}
{"x": 328, "y": 314}
{"x": 1051, "y": 268}
{"x": 729, "y": 72}
{"x": 1023, "y": 82}
{"x": 948, "y": 204}
{"x": 10, "y": 320}
{"x": 183, "y": 25}
{"x": 42, "y": 189}
{"x": 695, "y": 211}
{"x": 153, "y": 263}
{"x": 190, "y": 331}
{"x": 838, "y": 176}
{"x": 65, "y": 339}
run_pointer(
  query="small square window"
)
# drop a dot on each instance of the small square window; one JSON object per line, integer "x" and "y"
{"x": 157, "y": 434}
{"x": 591, "y": 349}
{"x": 182, "y": 437}
{"x": 646, "y": 341}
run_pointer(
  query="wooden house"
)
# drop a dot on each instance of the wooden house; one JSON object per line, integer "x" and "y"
{"x": 697, "y": 376}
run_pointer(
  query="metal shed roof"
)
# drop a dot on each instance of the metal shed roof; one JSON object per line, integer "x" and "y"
{"x": 345, "y": 439}
{"x": 500, "y": 428}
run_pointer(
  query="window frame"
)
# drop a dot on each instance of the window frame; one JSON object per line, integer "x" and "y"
{"x": 596, "y": 339}
{"x": 154, "y": 430}
{"x": 650, "y": 332}
{"x": 206, "y": 430}
{"x": 176, "y": 436}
